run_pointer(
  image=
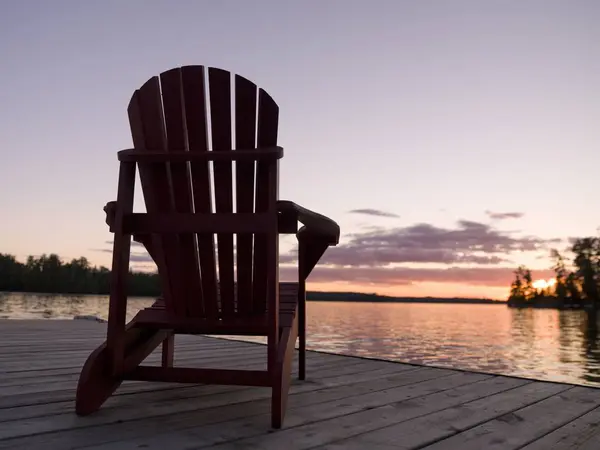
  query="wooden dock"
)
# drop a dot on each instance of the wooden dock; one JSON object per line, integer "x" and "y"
{"x": 346, "y": 402}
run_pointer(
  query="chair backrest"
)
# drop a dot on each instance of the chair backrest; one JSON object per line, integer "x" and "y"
{"x": 205, "y": 109}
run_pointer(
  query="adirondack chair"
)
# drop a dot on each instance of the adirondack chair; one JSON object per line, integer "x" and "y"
{"x": 181, "y": 123}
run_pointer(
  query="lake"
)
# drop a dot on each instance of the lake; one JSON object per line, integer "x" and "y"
{"x": 534, "y": 343}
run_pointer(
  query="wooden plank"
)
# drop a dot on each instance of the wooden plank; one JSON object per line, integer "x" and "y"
{"x": 183, "y": 343}
{"x": 311, "y": 407}
{"x": 117, "y": 308}
{"x": 219, "y": 82}
{"x": 39, "y": 394}
{"x": 182, "y": 414}
{"x": 245, "y": 155}
{"x": 176, "y": 138}
{"x": 222, "y": 223}
{"x": 45, "y": 383}
{"x": 79, "y": 357}
{"x": 138, "y": 393}
{"x": 245, "y": 138}
{"x": 582, "y": 433}
{"x": 42, "y": 396}
{"x": 70, "y": 361}
{"x": 521, "y": 427}
{"x": 194, "y": 98}
{"x": 20, "y": 386}
{"x": 58, "y": 364}
{"x": 177, "y": 409}
{"x": 326, "y": 423}
{"x": 267, "y": 127}
{"x": 147, "y": 128}
{"x": 346, "y": 403}
{"x": 196, "y": 375}
{"x": 94, "y": 339}
{"x": 428, "y": 429}
{"x": 355, "y": 445}
{"x": 189, "y": 357}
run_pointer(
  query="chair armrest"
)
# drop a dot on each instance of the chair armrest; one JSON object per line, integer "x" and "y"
{"x": 317, "y": 234}
{"x": 315, "y": 224}
{"x": 145, "y": 239}
{"x": 111, "y": 210}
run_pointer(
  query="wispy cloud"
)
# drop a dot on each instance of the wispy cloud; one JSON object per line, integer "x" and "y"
{"x": 133, "y": 244}
{"x": 374, "y": 212}
{"x": 470, "y": 253}
{"x": 404, "y": 276}
{"x": 133, "y": 257}
{"x": 504, "y": 215}
{"x": 468, "y": 243}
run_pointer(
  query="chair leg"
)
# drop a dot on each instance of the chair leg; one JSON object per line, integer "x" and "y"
{"x": 96, "y": 382}
{"x": 302, "y": 352}
{"x": 278, "y": 403}
{"x": 168, "y": 351}
{"x": 302, "y": 337}
{"x": 283, "y": 375}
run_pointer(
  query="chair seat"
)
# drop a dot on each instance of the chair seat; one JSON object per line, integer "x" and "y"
{"x": 158, "y": 317}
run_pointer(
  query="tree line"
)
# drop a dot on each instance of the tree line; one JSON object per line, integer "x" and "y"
{"x": 576, "y": 284}
{"x": 49, "y": 274}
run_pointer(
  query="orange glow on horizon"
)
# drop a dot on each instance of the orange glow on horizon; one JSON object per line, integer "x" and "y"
{"x": 438, "y": 290}
{"x": 544, "y": 284}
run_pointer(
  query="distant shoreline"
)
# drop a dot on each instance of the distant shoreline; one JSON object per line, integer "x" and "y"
{"x": 317, "y": 296}
{"x": 357, "y": 297}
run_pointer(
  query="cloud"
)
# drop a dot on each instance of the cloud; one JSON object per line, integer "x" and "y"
{"x": 133, "y": 244}
{"x": 505, "y": 215}
{"x": 140, "y": 257}
{"x": 468, "y": 243}
{"x": 404, "y": 276}
{"x": 469, "y": 253}
{"x": 143, "y": 267}
{"x": 133, "y": 257}
{"x": 373, "y": 212}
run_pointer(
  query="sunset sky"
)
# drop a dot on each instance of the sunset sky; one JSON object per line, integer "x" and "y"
{"x": 451, "y": 140}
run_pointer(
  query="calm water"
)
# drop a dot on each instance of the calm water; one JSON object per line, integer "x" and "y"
{"x": 542, "y": 344}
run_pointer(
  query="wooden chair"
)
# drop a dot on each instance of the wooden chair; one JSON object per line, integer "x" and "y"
{"x": 181, "y": 123}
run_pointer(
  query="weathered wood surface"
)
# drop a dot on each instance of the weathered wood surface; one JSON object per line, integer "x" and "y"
{"x": 345, "y": 402}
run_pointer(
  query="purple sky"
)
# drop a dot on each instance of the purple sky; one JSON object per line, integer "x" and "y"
{"x": 432, "y": 111}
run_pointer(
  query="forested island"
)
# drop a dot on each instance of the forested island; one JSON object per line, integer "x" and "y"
{"x": 575, "y": 285}
{"x": 49, "y": 274}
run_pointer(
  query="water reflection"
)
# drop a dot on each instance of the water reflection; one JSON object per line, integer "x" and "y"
{"x": 543, "y": 343}
{"x": 591, "y": 350}
{"x": 52, "y": 306}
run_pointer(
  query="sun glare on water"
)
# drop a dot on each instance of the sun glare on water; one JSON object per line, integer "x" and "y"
{"x": 544, "y": 284}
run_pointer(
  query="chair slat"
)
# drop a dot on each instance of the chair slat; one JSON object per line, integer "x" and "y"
{"x": 194, "y": 96}
{"x": 245, "y": 137}
{"x": 172, "y": 90}
{"x": 219, "y": 82}
{"x": 268, "y": 120}
{"x": 146, "y": 119}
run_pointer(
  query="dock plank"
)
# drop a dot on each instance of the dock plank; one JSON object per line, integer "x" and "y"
{"x": 346, "y": 402}
{"x": 582, "y": 433}
{"x": 430, "y": 428}
{"x": 523, "y": 426}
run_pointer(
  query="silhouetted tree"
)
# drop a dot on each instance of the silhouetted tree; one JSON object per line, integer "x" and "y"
{"x": 50, "y": 275}
{"x": 581, "y": 285}
{"x": 587, "y": 262}
{"x": 560, "y": 275}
